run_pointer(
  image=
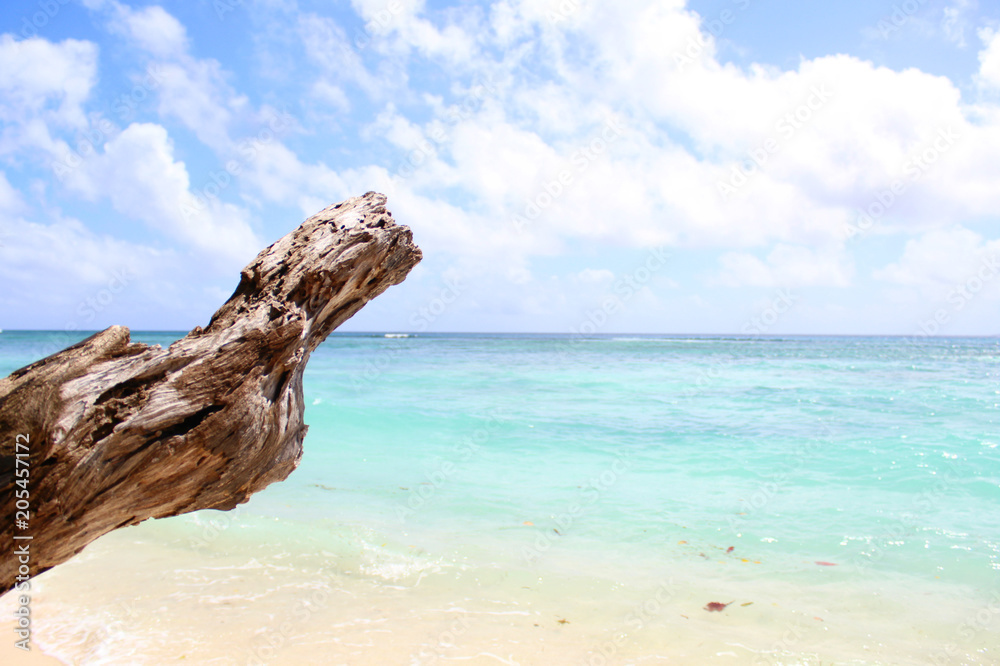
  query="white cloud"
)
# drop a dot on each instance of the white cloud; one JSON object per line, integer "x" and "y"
{"x": 152, "y": 29}
{"x": 327, "y": 45}
{"x": 989, "y": 59}
{"x": 42, "y": 80}
{"x": 10, "y": 199}
{"x": 842, "y": 130}
{"x": 138, "y": 173}
{"x": 60, "y": 275}
{"x": 594, "y": 276}
{"x": 453, "y": 43}
{"x": 65, "y": 252}
{"x": 277, "y": 175}
{"x": 44, "y": 88}
{"x": 785, "y": 266}
{"x": 191, "y": 90}
{"x": 946, "y": 281}
{"x": 195, "y": 92}
{"x": 956, "y": 20}
{"x": 687, "y": 119}
{"x": 518, "y": 164}
{"x": 331, "y": 94}
{"x": 941, "y": 259}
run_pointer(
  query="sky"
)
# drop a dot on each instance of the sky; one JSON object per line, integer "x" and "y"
{"x": 576, "y": 166}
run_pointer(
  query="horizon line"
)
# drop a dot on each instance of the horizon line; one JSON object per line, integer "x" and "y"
{"x": 563, "y": 333}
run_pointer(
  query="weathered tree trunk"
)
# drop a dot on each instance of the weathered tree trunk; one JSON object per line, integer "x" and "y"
{"x": 118, "y": 432}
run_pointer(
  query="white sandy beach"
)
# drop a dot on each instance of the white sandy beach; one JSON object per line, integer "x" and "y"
{"x": 141, "y": 596}
{"x": 15, "y": 656}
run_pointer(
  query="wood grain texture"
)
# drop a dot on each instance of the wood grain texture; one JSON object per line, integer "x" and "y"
{"x": 121, "y": 431}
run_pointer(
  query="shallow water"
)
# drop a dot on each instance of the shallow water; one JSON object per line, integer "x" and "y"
{"x": 461, "y": 494}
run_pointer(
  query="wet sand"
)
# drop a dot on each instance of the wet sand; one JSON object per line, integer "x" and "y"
{"x": 13, "y": 656}
{"x": 143, "y": 596}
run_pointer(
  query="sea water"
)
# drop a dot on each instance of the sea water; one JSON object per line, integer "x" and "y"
{"x": 566, "y": 499}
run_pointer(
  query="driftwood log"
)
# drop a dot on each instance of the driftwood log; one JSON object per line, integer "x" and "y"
{"x": 119, "y": 432}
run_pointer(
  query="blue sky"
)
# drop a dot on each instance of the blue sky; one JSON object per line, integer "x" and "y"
{"x": 716, "y": 166}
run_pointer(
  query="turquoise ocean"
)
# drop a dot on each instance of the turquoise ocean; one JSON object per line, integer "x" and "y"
{"x": 475, "y": 498}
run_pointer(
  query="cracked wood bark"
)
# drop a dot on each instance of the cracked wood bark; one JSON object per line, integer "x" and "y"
{"x": 121, "y": 431}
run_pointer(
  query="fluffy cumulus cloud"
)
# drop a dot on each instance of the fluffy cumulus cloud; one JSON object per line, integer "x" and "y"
{"x": 10, "y": 198}
{"x": 944, "y": 258}
{"x": 328, "y": 45}
{"x": 65, "y": 277}
{"x": 62, "y": 147}
{"x": 191, "y": 90}
{"x": 989, "y": 59}
{"x": 518, "y": 132}
{"x": 778, "y": 156}
{"x": 785, "y": 266}
{"x": 771, "y": 166}
{"x": 195, "y": 93}
{"x": 43, "y": 89}
{"x": 152, "y": 29}
{"x": 951, "y": 278}
{"x": 955, "y": 20}
{"x": 453, "y": 43}
{"x": 64, "y": 252}
{"x": 137, "y": 171}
